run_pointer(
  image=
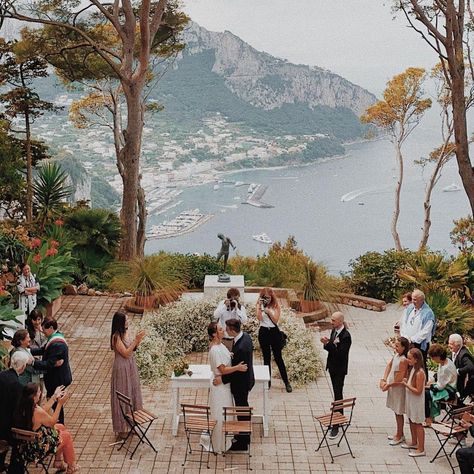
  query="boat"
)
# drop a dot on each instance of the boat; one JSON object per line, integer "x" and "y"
{"x": 216, "y": 187}
{"x": 263, "y": 238}
{"x": 451, "y": 188}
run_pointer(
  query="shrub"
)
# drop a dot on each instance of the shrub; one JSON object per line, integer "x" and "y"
{"x": 375, "y": 274}
{"x": 196, "y": 267}
{"x": 180, "y": 328}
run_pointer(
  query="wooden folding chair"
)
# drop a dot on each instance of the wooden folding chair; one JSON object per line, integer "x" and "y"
{"x": 24, "y": 439}
{"x": 336, "y": 418}
{"x": 197, "y": 421}
{"x": 238, "y": 421}
{"x": 138, "y": 420}
{"x": 456, "y": 428}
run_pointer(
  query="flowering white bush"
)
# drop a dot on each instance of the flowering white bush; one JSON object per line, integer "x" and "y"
{"x": 180, "y": 328}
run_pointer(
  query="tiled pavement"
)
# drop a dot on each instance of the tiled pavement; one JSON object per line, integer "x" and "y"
{"x": 290, "y": 446}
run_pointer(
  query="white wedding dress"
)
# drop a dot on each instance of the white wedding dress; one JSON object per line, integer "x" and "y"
{"x": 220, "y": 396}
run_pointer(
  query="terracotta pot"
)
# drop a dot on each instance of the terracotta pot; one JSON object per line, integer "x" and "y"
{"x": 309, "y": 306}
{"x": 53, "y": 307}
{"x": 145, "y": 301}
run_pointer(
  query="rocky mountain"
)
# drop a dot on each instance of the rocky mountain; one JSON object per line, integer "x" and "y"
{"x": 268, "y": 82}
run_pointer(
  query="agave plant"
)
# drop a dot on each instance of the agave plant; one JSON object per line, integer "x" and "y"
{"x": 433, "y": 273}
{"x": 8, "y": 315}
{"x": 149, "y": 277}
{"x": 451, "y": 315}
{"x": 50, "y": 192}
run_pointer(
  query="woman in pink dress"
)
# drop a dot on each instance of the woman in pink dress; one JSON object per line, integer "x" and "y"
{"x": 125, "y": 377}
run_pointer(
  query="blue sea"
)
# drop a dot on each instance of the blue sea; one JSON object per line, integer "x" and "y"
{"x": 307, "y": 204}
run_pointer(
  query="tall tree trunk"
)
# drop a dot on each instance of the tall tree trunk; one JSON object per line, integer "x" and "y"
{"x": 455, "y": 54}
{"x": 427, "y": 205}
{"x": 396, "y": 210}
{"x": 29, "y": 170}
{"x": 142, "y": 216}
{"x": 130, "y": 159}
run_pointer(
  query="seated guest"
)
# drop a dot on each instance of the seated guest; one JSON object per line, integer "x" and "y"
{"x": 21, "y": 343}
{"x": 445, "y": 386}
{"x": 465, "y": 456}
{"x": 10, "y": 390}
{"x": 230, "y": 308}
{"x": 29, "y": 415}
{"x": 464, "y": 363}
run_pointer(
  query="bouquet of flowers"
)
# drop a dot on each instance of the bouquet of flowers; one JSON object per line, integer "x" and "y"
{"x": 181, "y": 368}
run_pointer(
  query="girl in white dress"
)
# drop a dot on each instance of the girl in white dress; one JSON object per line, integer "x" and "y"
{"x": 220, "y": 360}
{"x": 415, "y": 402}
{"x": 395, "y": 372}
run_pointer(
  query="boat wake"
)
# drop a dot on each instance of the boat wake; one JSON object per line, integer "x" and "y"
{"x": 230, "y": 206}
{"x": 361, "y": 192}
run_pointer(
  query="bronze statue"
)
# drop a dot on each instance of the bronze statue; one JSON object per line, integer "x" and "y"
{"x": 224, "y": 252}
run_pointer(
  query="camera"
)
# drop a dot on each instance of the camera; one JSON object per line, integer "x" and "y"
{"x": 265, "y": 300}
{"x": 231, "y": 304}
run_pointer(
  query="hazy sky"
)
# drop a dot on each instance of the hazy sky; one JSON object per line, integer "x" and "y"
{"x": 358, "y": 39}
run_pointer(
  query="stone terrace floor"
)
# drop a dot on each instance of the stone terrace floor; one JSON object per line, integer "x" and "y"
{"x": 290, "y": 446}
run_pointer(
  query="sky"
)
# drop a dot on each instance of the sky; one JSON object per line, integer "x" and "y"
{"x": 360, "y": 40}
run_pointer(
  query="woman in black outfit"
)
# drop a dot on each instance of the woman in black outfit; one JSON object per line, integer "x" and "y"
{"x": 268, "y": 313}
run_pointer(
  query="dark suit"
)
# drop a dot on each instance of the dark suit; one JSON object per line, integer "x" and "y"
{"x": 338, "y": 360}
{"x": 54, "y": 376}
{"x": 242, "y": 382}
{"x": 10, "y": 391}
{"x": 464, "y": 363}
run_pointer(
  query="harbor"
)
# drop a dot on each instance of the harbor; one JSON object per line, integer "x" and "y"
{"x": 183, "y": 223}
{"x": 257, "y": 191}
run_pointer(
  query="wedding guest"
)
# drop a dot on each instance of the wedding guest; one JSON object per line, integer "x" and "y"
{"x": 418, "y": 324}
{"x": 28, "y": 288}
{"x": 10, "y": 391}
{"x": 406, "y": 301}
{"x": 125, "y": 378}
{"x": 445, "y": 386}
{"x": 337, "y": 346}
{"x": 29, "y": 415}
{"x": 415, "y": 402}
{"x": 21, "y": 342}
{"x": 230, "y": 308}
{"x": 55, "y": 360}
{"x": 393, "y": 376}
{"x": 464, "y": 363}
{"x": 33, "y": 324}
{"x": 269, "y": 337}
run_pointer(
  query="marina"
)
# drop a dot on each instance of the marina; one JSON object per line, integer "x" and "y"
{"x": 256, "y": 191}
{"x": 183, "y": 223}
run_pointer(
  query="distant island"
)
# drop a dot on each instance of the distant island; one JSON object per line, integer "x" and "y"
{"x": 226, "y": 106}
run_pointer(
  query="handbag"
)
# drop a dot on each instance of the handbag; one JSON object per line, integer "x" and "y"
{"x": 283, "y": 335}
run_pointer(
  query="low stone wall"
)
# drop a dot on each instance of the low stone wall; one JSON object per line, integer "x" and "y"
{"x": 360, "y": 301}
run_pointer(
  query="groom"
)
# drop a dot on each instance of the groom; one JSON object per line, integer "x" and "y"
{"x": 240, "y": 382}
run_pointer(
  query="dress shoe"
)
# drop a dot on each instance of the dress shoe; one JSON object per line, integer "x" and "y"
{"x": 239, "y": 447}
{"x": 289, "y": 388}
{"x": 396, "y": 442}
{"x": 334, "y": 432}
{"x": 416, "y": 454}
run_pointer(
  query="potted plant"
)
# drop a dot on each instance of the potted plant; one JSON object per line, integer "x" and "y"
{"x": 315, "y": 287}
{"x": 153, "y": 280}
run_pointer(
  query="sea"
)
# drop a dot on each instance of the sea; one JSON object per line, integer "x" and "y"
{"x": 337, "y": 209}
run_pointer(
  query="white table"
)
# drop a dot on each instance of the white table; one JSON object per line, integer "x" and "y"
{"x": 202, "y": 377}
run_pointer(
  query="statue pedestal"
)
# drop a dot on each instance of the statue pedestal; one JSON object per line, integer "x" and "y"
{"x": 212, "y": 287}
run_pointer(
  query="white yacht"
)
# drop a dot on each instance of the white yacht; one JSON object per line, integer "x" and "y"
{"x": 263, "y": 238}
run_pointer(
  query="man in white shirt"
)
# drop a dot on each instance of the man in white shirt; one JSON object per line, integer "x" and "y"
{"x": 230, "y": 308}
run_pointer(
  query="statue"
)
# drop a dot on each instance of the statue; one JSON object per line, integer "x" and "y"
{"x": 224, "y": 252}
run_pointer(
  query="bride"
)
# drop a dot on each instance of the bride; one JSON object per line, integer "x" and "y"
{"x": 220, "y": 360}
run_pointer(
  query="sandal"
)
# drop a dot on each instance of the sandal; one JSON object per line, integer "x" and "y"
{"x": 71, "y": 470}
{"x": 60, "y": 465}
